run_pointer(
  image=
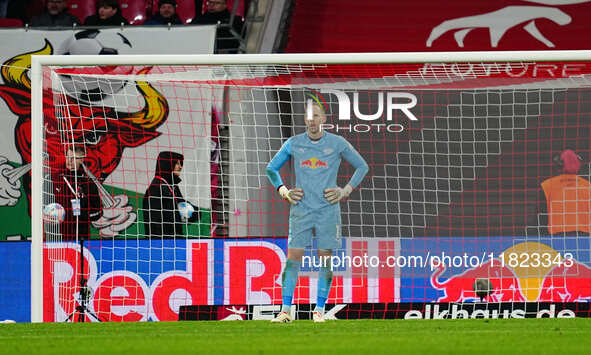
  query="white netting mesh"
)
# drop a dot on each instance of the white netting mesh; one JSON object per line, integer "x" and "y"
{"x": 457, "y": 153}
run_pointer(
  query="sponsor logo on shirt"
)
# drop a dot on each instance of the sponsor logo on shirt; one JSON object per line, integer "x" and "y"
{"x": 314, "y": 163}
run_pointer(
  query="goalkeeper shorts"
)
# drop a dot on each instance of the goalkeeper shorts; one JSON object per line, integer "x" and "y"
{"x": 325, "y": 223}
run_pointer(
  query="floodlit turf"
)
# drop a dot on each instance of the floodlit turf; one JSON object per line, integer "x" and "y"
{"x": 503, "y": 336}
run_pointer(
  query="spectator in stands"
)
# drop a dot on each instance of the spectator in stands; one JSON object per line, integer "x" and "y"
{"x": 15, "y": 9}
{"x": 217, "y": 12}
{"x": 166, "y": 14}
{"x": 3, "y": 8}
{"x": 56, "y": 15}
{"x": 108, "y": 14}
{"x": 567, "y": 197}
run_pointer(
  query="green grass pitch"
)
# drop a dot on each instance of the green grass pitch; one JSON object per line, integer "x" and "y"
{"x": 502, "y": 336}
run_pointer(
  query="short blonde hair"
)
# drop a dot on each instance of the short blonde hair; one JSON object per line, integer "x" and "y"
{"x": 316, "y": 101}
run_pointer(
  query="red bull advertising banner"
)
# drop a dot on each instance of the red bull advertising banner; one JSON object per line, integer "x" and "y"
{"x": 241, "y": 278}
{"x": 513, "y": 269}
{"x": 165, "y": 275}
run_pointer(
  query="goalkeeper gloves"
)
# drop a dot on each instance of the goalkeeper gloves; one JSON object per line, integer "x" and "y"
{"x": 293, "y": 195}
{"x": 335, "y": 194}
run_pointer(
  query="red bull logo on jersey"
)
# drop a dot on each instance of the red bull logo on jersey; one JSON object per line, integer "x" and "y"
{"x": 313, "y": 163}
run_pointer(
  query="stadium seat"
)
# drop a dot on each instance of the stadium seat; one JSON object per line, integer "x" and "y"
{"x": 239, "y": 9}
{"x": 10, "y": 22}
{"x": 82, "y": 8}
{"x": 185, "y": 9}
{"x": 32, "y": 9}
{"x": 134, "y": 10}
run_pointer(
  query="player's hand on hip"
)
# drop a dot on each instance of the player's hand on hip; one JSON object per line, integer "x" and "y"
{"x": 336, "y": 194}
{"x": 293, "y": 196}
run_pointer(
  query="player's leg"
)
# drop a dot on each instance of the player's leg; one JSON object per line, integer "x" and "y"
{"x": 299, "y": 239}
{"x": 289, "y": 278}
{"x": 324, "y": 284}
{"x": 328, "y": 238}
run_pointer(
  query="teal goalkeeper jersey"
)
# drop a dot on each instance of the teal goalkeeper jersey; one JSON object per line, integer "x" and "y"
{"x": 316, "y": 165}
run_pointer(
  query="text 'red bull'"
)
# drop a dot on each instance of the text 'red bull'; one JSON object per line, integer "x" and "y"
{"x": 250, "y": 275}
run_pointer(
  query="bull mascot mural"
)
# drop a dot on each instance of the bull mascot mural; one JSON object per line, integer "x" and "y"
{"x": 112, "y": 132}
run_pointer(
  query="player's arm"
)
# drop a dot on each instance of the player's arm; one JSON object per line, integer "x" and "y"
{"x": 336, "y": 194}
{"x": 282, "y": 157}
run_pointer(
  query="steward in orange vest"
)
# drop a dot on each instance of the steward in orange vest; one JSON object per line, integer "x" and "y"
{"x": 568, "y": 197}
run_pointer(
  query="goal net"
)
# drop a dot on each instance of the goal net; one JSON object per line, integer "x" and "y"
{"x": 150, "y": 199}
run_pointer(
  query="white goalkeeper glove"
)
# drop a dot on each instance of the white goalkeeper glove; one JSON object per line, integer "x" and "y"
{"x": 293, "y": 195}
{"x": 335, "y": 194}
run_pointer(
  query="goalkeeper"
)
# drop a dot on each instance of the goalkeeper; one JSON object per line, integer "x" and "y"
{"x": 315, "y": 208}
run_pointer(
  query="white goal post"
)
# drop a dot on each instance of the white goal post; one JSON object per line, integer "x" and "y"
{"x": 259, "y": 65}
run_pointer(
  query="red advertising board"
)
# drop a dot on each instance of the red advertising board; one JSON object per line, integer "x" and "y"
{"x": 431, "y": 25}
